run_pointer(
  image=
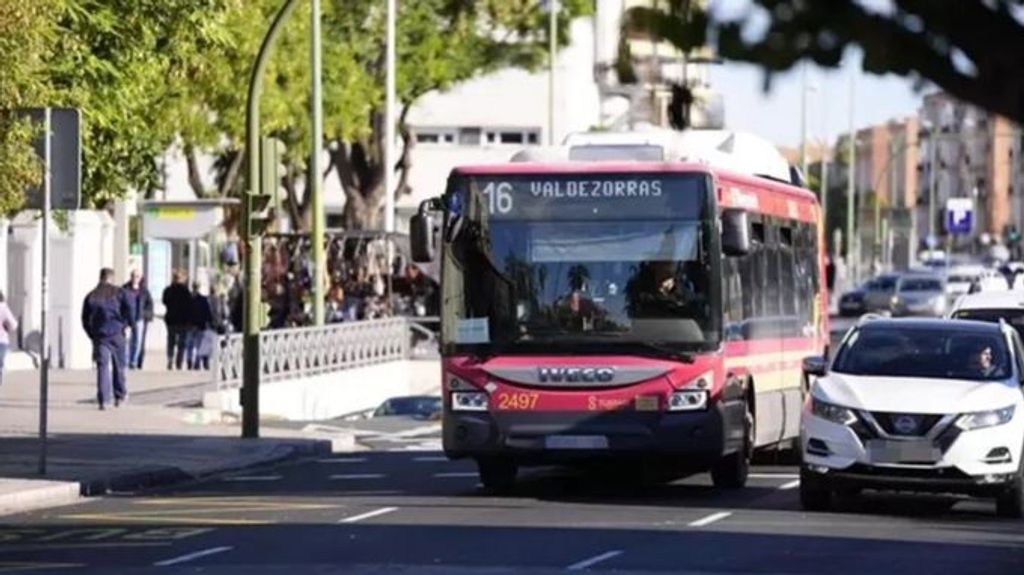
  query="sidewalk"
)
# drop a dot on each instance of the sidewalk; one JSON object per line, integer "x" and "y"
{"x": 155, "y": 439}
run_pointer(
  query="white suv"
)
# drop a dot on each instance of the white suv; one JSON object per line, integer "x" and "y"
{"x": 917, "y": 405}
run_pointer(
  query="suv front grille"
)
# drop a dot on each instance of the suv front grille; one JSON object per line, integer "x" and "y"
{"x": 906, "y": 424}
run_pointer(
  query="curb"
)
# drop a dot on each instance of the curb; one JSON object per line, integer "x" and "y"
{"x": 47, "y": 494}
{"x": 170, "y": 475}
{"x": 69, "y": 492}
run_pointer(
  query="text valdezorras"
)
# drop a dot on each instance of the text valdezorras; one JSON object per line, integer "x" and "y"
{"x": 596, "y": 189}
{"x": 500, "y": 195}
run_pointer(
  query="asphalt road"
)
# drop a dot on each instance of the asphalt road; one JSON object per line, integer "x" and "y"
{"x": 405, "y": 509}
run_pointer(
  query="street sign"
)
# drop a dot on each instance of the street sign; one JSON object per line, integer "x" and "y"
{"x": 65, "y": 157}
{"x": 959, "y": 216}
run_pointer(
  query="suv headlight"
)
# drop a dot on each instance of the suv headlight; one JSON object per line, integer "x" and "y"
{"x": 833, "y": 413}
{"x": 981, "y": 419}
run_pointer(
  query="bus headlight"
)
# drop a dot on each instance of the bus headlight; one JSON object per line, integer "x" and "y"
{"x": 469, "y": 401}
{"x": 688, "y": 400}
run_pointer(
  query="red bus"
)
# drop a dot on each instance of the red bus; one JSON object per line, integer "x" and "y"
{"x": 651, "y": 312}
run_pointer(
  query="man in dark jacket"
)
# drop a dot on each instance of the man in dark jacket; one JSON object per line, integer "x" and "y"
{"x": 105, "y": 317}
{"x": 178, "y": 315}
{"x": 142, "y": 313}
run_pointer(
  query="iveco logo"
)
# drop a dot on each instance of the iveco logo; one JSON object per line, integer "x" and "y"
{"x": 575, "y": 374}
{"x": 905, "y": 424}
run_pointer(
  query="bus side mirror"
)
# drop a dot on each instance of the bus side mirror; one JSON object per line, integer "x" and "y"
{"x": 815, "y": 365}
{"x": 735, "y": 232}
{"x": 421, "y": 238}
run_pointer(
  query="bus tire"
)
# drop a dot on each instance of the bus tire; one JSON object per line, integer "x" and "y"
{"x": 731, "y": 471}
{"x": 497, "y": 475}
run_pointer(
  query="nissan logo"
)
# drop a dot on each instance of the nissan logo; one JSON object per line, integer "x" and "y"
{"x": 905, "y": 424}
{"x": 575, "y": 374}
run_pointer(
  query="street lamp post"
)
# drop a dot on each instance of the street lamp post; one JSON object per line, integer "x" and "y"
{"x": 253, "y": 253}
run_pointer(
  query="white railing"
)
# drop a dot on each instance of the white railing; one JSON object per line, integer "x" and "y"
{"x": 309, "y": 351}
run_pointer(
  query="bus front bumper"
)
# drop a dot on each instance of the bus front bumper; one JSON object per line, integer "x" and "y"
{"x": 539, "y": 437}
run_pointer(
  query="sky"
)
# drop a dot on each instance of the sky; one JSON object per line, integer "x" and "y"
{"x": 776, "y": 115}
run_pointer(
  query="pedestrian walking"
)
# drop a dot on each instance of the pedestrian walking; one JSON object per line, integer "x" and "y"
{"x": 8, "y": 325}
{"x": 177, "y": 316}
{"x": 201, "y": 316}
{"x": 105, "y": 317}
{"x": 138, "y": 323}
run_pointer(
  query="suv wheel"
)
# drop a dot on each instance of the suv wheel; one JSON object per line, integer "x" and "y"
{"x": 1011, "y": 502}
{"x": 815, "y": 494}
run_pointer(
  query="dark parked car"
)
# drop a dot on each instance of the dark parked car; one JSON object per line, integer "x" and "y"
{"x": 852, "y": 302}
{"x": 416, "y": 406}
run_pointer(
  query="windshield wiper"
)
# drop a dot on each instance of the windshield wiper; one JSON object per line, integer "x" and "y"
{"x": 662, "y": 350}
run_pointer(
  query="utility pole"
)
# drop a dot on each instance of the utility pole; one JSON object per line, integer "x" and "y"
{"x": 932, "y": 182}
{"x": 390, "y": 106}
{"x": 825, "y": 157}
{"x": 315, "y": 169}
{"x": 552, "y": 60}
{"x": 851, "y": 189}
{"x": 803, "y": 120}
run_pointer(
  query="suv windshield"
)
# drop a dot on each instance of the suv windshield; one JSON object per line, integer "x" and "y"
{"x": 1014, "y": 317}
{"x": 923, "y": 284}
{"x": 929, "y": 353}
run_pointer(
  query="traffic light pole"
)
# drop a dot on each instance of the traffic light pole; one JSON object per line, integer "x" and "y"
{"x": 253, "y": 252}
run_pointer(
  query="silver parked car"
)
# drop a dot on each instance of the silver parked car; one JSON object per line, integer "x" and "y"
{"x": 923, "y": 295}
{"x": 879, "y": 292}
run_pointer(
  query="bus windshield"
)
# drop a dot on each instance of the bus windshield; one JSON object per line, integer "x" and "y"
{"x": 535, "y": 266}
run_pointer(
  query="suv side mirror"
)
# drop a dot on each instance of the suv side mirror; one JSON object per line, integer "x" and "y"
{"x": 421, "y": 238}
{"x": 735, "y": 232}
{"x": 815, "y": 365}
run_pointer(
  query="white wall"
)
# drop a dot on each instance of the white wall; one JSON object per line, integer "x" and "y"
{"x": 335, "y": 394}
{"x": 76, "y": 257}
{"x": 4, "y": 227}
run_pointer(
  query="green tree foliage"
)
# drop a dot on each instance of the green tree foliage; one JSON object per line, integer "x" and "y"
{"x": 25, "y": 30}
{"x": 439, "y": 43}
{"x": 127, "y": 64}
{"x": 970, "y": 48}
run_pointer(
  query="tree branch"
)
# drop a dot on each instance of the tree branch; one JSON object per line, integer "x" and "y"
{"x": 195, "y": 178}
{"x": 232, "y": 176}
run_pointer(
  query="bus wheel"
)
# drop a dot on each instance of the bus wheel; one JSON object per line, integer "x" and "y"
{"x": 497, "y": 475}
{"x": 731, "y": 471}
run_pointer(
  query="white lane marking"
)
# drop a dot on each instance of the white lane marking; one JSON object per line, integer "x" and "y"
{"x": 369, "y": 514}
{"x": 791, "y": 485}
{"x": 774, "y": 476}
{"x": 254, "y": 478}
{"x": 342, "y": 460}
{"x": 593, "y": 561}
{"x": 703, "y": 521}
{"x": 351, "y": 476}
{"x": 191, "y": 556}
{"x": 430, "y": 459}
{"x": 457, "y": 475}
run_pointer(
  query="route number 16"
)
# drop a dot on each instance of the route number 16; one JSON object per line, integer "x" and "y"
{"x": 499, "y": 197}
